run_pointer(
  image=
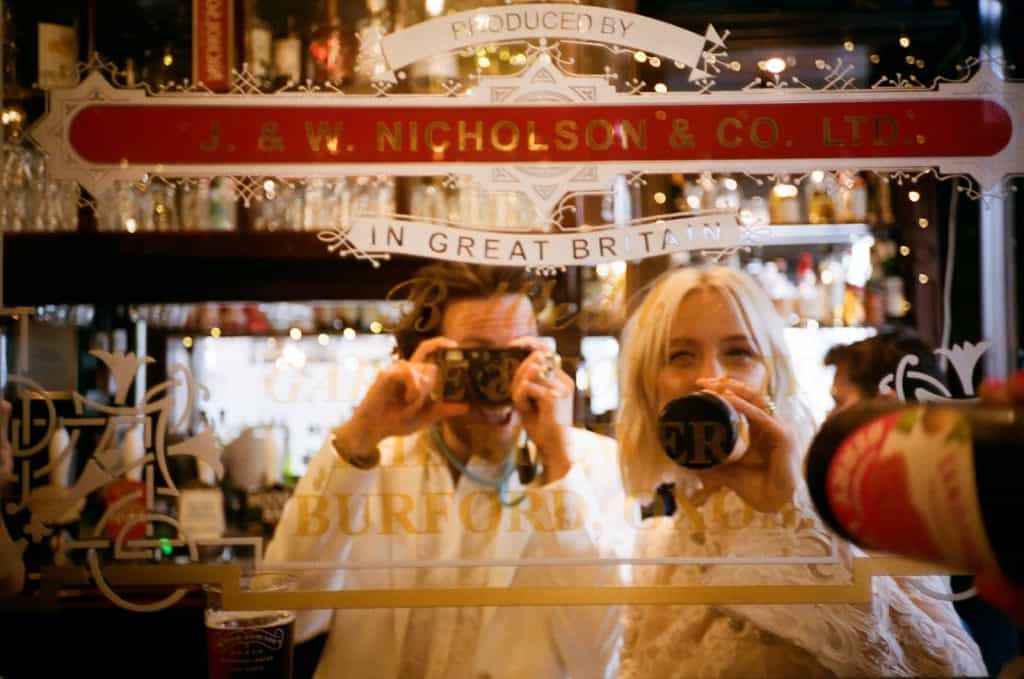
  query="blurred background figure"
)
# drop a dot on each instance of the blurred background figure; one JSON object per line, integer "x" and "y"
{"x": 861, "y": 366}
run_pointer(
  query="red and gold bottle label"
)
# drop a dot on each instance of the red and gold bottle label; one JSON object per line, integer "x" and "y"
{"x": 905, "y": 482}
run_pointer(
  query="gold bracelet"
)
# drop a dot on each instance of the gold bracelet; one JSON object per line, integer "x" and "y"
{"x": 358, "y": 462}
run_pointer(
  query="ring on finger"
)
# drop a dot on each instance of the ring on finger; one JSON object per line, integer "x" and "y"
{"x": 769, "y": 406}
{"x": 550, "y": 366}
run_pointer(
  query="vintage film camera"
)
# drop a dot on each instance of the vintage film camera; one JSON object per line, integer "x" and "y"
{"x": 477, "y": 375}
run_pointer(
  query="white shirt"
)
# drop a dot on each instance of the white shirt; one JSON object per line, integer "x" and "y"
{"x": 407, "y": 509}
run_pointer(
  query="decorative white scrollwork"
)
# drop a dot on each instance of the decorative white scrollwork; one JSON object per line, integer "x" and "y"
{"x": 125, "y": 532}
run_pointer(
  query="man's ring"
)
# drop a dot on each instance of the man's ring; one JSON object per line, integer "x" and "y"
{"x": 770, "y": 407}
{"x": 552, "y": 363}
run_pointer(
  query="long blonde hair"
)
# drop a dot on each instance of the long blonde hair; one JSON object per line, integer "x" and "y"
{"x": 645, "y": 351}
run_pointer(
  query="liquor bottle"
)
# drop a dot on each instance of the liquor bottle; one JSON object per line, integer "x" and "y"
{"x": 693, "y": 197}
{"x": 819, "y": 208}
{"x": 201, "y": 506}
{"x": 728, "y": 196}
{"x": 886, "y": 276}
{"x": 258, "y": 44}
{"x": 222, "y": 208}
{"x": 781, "y": 291}
{"x": 262, "y": 209}
{"x": 939, "y": 482}
{"x": 193, "y": 197}
{"x": 385, "y": 196}
{"x": 859, "y": 200}
{"x": 784, "y": 203}
{"x": 874, "y": 302}
{"x": 164, "y": 202}
{"x": 701, "y": 430}
{"x": 834, "y": 280}
{"x": 369, "y": 30}
{"x": 811, "y": 302}
{"x": 709, "y": 191}
{"x": 428, "y": 199}
{"x": 851, "y": 198}
{"x": 880, "y": 206}
{"x": 330, "y": 48}
{"x": 854, "y": 313}
{"x": 288, "y": 56}
{"x": 58, "y": 53}
{"x": 818, "y": 203}
{"x": 755, "y": 212}
{"x": 895, "y": 297}
{"x": 290, "y": 207}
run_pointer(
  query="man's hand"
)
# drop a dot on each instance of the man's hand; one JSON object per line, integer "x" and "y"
{"x": 398, "y": 403}
{"x": 542, "y": 394}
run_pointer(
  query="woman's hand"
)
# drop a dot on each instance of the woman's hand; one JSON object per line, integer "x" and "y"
{"x": 766, "y": 476}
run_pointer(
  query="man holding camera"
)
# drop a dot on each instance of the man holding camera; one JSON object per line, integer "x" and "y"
{"x": 462, "y": 452}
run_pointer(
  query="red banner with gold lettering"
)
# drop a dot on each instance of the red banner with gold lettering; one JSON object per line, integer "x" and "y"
{"x": 217, "y": 134}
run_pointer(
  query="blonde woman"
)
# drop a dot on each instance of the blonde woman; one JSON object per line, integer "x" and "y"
{"x": 715, "y": 329}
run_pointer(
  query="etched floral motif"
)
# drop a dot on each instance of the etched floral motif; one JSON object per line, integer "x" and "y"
{"x": 39, "y": 510}
{"x": 964, "y": 359}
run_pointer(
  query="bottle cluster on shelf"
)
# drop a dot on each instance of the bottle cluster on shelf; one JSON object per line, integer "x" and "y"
{"x": 438, "y": 199}
{"x": 309, "y": 205}
{"x": 278, "y": 318}
{"x": 816, "y": 198}
{"x": 214, "y": 204}
{"x": 160, "y": 206}
{"x": 323, "y": 48}
{"x": 852, "y": 285}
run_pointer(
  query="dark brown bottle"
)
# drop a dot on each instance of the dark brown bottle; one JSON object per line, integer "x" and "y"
{"x": 701, "y": 430}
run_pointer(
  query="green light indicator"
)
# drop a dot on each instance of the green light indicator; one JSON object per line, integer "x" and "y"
{"x": 165, "y": 546}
